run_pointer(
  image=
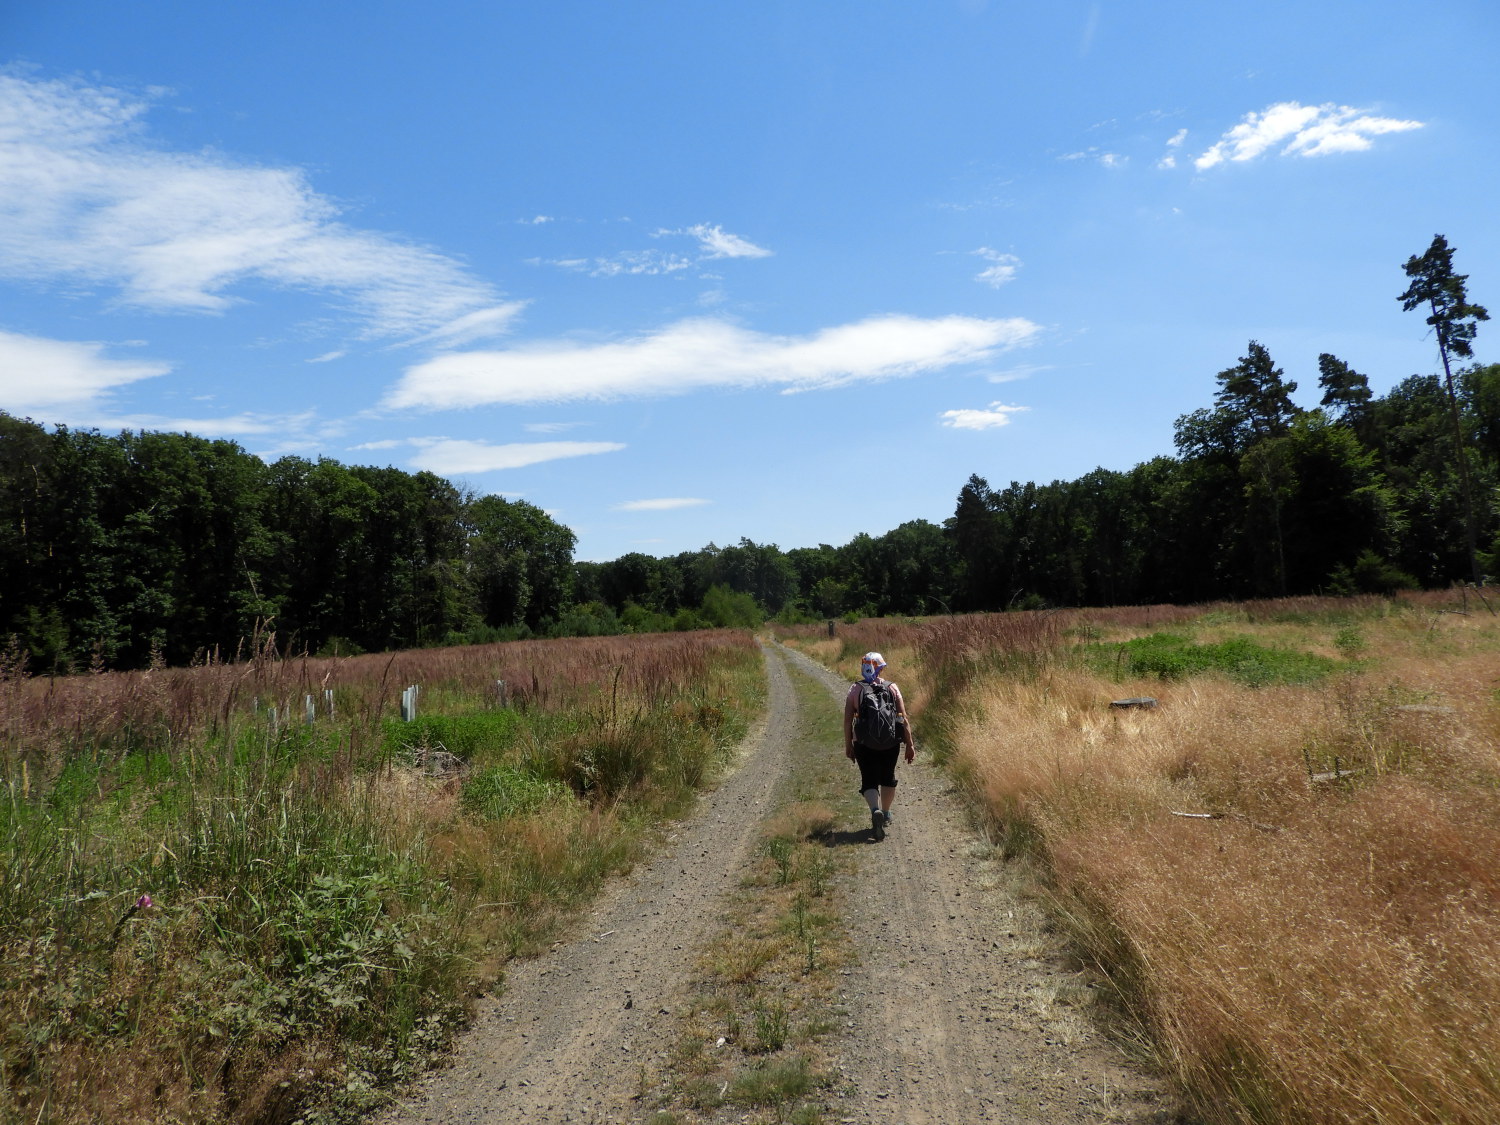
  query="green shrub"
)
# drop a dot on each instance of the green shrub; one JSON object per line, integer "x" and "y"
{"x": 474, "y": 732}
{"x": 1168, "y": 656}
{"x": 686, "y": 620}
{"x": 725, "y": 609}
{"x": 1370, "y": 574}
{"x": 586, "y": 619}
{"x": 638, "y": 619}
{"x": 502, "y": 791}
{"x": 1350, "y": 641}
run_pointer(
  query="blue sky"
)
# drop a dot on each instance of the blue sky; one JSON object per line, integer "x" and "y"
{"x": 686, "y": 272}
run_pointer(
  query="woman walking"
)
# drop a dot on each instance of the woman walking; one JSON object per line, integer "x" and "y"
{"x": 875, "y": 728}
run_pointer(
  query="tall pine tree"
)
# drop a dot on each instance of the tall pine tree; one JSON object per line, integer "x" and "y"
{"x": 1454, "y": 321}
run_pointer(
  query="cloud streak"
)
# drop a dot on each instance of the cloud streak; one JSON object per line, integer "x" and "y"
{"x": 702, "y": 354}
{"x": 714, "y": 243}
{"x": 1093, "y": 152}
{"x": 449, "y": 456}
{"x": 74, "y": 383}
{"x": 1001, "y": 270}
{"x": 86, "y": 198}
{"x": 665, "y": 504}
{"x": 995, "y": 415}
{"x": 1300, "y": 130}
{"x": 38, "y": 375}
{"x": 719, "y": 243}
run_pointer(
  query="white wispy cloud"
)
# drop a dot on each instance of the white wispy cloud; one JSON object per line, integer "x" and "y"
{"x": 1020, "y": 371}
{"x": 719, "y": 243}
{"x": 1095, "y": 153}
{"x": 39, "y": 375}
{"x": 634, "y": 262}
{"x": 664, "y": 504}
{"x": 388, "y": 443}
{"x": 328, "y": 357}
{"x": 87, "y": 197}
{"x": 1090, "y": 30}
{"x": 74, "y": 383}
{"x": 550, "y": 427}
{"x": 449, "y": 456}
{"x": 996, "y": 414}
{"x": 294, "y": 431}
{"x": 714, "y": 242}
{"x": 1002, "y": 267}
{"x": 481, "y": 324}
{"x": 1301, "y": 130}
{"x": 703, "y": 353}
{"x": 627, "y": 263}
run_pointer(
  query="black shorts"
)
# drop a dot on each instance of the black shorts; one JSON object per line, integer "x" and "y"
{"x": 876, "y": 767}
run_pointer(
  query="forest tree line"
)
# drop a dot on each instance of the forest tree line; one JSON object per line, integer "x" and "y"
{"x": 116, "y": 551}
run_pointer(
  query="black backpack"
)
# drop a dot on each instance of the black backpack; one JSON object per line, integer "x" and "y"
{"x": 877, "y": 722}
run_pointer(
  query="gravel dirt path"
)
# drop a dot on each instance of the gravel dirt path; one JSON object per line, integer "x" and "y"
{"x": 959, "y": 1012}
{"x": 962, "y": 1010}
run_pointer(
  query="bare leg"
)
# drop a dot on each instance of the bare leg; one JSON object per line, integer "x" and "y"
{"x": 887, "y": 795}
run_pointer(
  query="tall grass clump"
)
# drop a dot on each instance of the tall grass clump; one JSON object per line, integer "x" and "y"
{"x": 213, "y": 909}
{"x": 1286, "y": 869}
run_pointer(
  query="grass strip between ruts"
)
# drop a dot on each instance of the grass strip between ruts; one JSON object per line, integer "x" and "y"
{"x": 757, "y": 1016}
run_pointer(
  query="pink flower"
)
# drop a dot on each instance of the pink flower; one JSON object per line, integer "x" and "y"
{"x": 143, "y": 903}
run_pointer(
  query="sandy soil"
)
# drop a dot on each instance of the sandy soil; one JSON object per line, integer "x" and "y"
{"x": 960, "y": 1012}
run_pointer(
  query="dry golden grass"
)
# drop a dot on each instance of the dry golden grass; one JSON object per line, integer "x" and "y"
{"x": 1319, "y": 951}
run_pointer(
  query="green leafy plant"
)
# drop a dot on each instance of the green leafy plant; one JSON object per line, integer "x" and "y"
{"x": 1169, "y": 656}
{"x": 502, "y": 791}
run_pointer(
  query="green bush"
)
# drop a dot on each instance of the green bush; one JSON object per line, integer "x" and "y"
{"x": 1168, "y": 656}
{"x": 686, "y": 620}
{"x": 502, "y": 791}
{"x": 586, "y": 619}
{"x": 725, "y": 609}
{"x": 638, "y": 619}
{"x": 474, "y": 732}
{"x": 1370, "y": 574}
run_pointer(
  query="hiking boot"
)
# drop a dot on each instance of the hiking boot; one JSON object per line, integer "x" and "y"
{"x": 877, "y": 823}
{"x": 887, "y": 815}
